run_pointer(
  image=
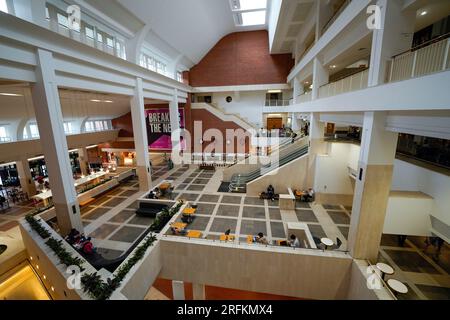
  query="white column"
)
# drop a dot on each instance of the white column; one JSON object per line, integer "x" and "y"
{"x": 26, "y": 180}
{"x": 83, "y": 159}
{"x": 373, "y": 184}
{"x": 140, "y": 137}
{"x": 133, "y": 46}
{"x": 297, "y": 90}
{"x": 317, "y": 145}
{"x": 50, "y": 122}
{"x": 178, "y": 290}
{"x": 198, "y": 291}
{"x": 320, "y": 77}
{"x": 175, "y": 127}
{"x": 394, "y": 37}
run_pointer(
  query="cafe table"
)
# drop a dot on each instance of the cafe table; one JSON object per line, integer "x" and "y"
{"x": 385, "y": 269}
{"x": 327, "y": 242}
{"x": 397, "y": 286}
{"x": 189, "y": 211}
{"x": 179, "y": 225}
{"x": 194, "y": 234}
{"x": 224, "y": 237}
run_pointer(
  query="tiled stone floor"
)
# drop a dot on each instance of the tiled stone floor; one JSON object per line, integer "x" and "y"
{"x": 116, "y": 227}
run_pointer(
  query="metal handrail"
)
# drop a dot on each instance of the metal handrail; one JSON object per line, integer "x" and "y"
{"x": 423, "y": 45}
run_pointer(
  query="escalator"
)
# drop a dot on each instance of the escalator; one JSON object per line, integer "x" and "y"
{"x": 239, "y": 181}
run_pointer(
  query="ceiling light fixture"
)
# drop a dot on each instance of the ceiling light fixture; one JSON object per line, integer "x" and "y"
{"x": 423, "y": 13}
{"x": 333, "y": 66}
{"x": 10, "y": 94}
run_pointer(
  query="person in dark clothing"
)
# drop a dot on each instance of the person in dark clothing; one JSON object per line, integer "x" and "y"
{"x": 271, "y": 192}
{"x": 401, "y": 240}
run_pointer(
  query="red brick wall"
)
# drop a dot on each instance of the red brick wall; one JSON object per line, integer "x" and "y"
{"x": 210, "y": 121}
{"x": 241, "y": 58}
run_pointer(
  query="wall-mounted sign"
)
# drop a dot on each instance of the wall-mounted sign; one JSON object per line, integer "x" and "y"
{"x": 159, "y": 129}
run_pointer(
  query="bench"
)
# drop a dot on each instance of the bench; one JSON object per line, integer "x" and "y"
{"x": 150, "y": 209}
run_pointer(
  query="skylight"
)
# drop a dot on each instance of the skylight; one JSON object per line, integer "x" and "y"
{"x": 249, "y": 12}
{"x": 253, "y": 18}
{"x": 251, "y": 4}
{"x": 3, "y": 6}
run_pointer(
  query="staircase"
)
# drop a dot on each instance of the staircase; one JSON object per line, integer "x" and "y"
{"x": 222, "y": 114}
{"x": 239, "y": 181}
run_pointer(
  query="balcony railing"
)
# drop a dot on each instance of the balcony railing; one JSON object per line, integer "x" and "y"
{"x": 305, "y": 97}
{"x": 336, "y": 15}
{"x": 354, "y": 82}
{"x": 427, "y": 58}
{"x": 277, "y": 103}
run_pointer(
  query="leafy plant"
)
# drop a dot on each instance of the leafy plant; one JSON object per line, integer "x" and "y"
{"x": 36, "y": 226}
{"x": 64, "y": 256}
{"x": 101, "y": 290}
{"x": 164, "y": 216}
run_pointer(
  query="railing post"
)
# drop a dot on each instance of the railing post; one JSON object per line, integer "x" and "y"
{"x": 413, "y": 71}
{"x": 391, "y": 69}
{"x": 447, "y": 48}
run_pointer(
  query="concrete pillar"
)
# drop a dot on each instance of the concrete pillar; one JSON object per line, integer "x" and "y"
{"x": 84, "y": 161}
{"x": 175, "y": 127}
{"x": 50, "y": 122}
{"x": 140, "y": 137}
{"x": 298, "y": 89}
{"x": 38, "y": 12}
{"x": 178, "y": 290}
{"x": 320, "y": 77}
{"x": 372, "y": 188}
{"x": 394, "y": 37}
{"x": 317, "y": 145}
{"x": 26, "y": 180}
{"x": 198, "y": 291}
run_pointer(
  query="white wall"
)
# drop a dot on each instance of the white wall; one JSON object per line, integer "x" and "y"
{"x": 331, "y": 169}
{"x": 408, "y": 177}
{"x": 248, "y": 104}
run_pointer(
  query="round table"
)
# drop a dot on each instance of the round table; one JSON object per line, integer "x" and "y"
{"x": 397, "y": 286}
{"x": 327, "y": 242}
{"x": 385, "y": 269}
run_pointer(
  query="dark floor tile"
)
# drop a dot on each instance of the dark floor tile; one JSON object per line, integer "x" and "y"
{"x": 103, "y": 231}
{"x": 344, "y": 231}
{"x": 434, "y": 292}
{"x": 254, "y": 201}
{"x": 189, "y": 196}
{"x": 209, "y": 198}
{"x": 317, "y": 231}
{"x": 114, "y": 202}
{"x": 274, "y": 203}
{"x": 277, "y": 229}
{"x": 331, "y": 207}
{"x": 194, "y": 187}
{"x": 206, "y": 175}
{"x": 109, "y": 254}
{"x": 411, "y": 261}
{"x": 181, "y": 186}
{"x": 121, "y": 217}
{"x": 228, "y": 211}
{"x": 223, "y": 224}
{"x": 141, "y": 220}
{"x": 231, "y": 199}
{"x": 302, "y": 205}
{"x": 201, "y": 181}
{"x": 254, "y": 212}
{"x": 253, "y": 227}
{"x": 188, "y": 180}
{"x": 86, "y": 223}
{"x": 390, "y": 240}
{"x": 96, "y": 213}
{"x": 134, "y": 205}
{"x": 199, "y": 223}
{"x": 129, "y": 193}
{"x": 127, "y": 234}
{"x": 274, "y": 214}
{"x": 205, "y": 208}
{"x": 339, "y": 217}
{"x": 304, "y": 215}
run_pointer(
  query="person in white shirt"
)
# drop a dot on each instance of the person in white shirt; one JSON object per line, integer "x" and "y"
{"x": 294, "y": 241}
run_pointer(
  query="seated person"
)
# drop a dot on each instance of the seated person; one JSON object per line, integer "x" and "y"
{"x": 79, "y": 242}
{"x": 151, "y": 195}
{"x": 227, "y": 233}
{"x": 294, "y": 242}
{"x": 157, "y": 193}
{"x": 261, "y": 239}
{"x": 73, "y": 236}
{"x": 178, "y": 232}
{"x": 88, "y": 246}
{"x": 310, "y": 195}
{"x": 270, "y": 192}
